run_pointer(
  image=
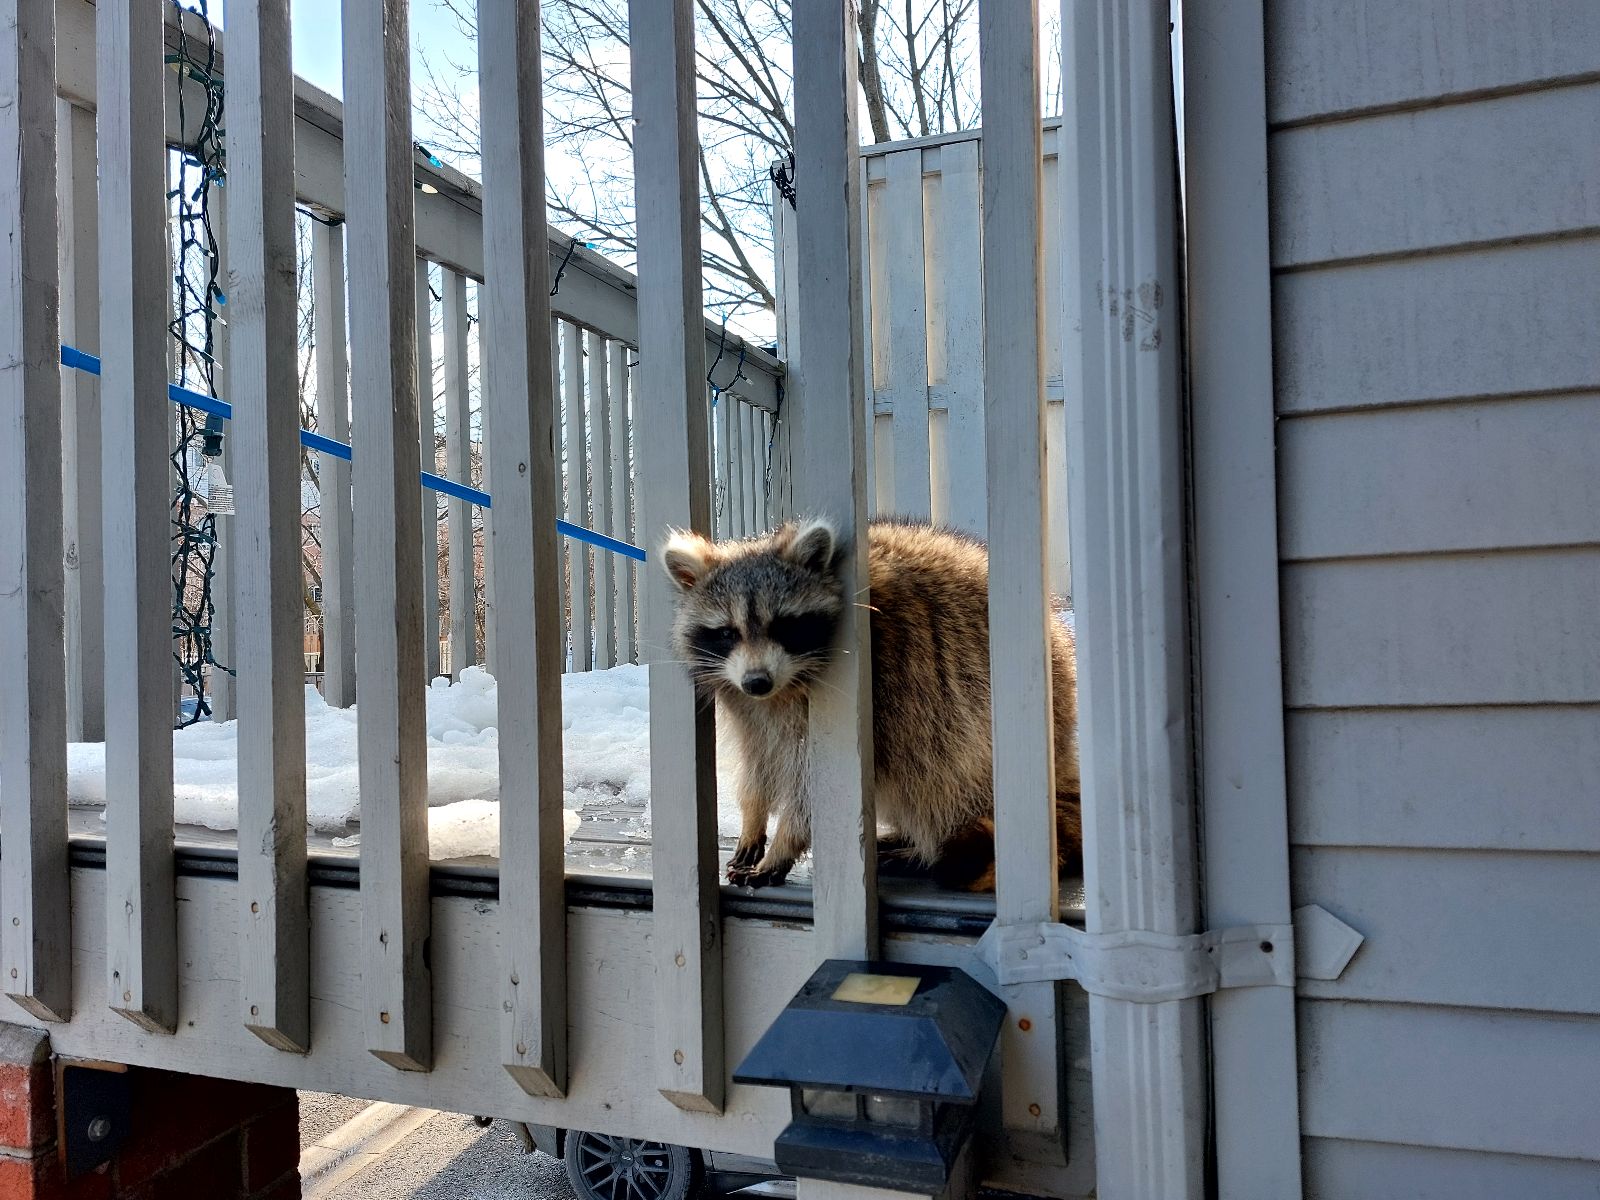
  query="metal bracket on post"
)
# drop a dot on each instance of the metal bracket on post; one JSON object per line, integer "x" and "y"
{"x": 1150, "y": 968}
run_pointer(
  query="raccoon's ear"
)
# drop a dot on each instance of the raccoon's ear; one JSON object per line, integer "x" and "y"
{"x": 687, "y": 557}
{"x": 812, "y": 546}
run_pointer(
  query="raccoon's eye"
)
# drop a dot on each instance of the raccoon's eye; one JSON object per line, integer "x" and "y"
{"x": 718, "y": 641}
{"x": 802, "y": 633}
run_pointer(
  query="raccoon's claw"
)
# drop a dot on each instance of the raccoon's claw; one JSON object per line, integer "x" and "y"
{"x": 745, "y": 856}
{"x": 754, "y": 877}
{"x": 897, "y": 859}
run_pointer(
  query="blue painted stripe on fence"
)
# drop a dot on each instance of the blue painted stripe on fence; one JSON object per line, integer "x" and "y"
{"x": 79, "y": 361}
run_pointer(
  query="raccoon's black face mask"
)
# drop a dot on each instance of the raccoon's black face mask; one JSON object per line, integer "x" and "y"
{"x": 756, "y": 619}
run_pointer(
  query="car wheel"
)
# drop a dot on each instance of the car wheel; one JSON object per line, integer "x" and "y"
{"x": 602, "y": 1167}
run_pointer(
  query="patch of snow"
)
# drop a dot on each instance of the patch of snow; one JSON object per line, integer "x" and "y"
{"x": 605, "y": 744}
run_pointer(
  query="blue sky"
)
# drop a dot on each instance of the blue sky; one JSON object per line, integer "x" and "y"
{"x": 318, "y": 45}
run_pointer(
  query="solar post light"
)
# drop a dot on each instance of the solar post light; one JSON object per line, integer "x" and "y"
{"x": 883, "y": 1062}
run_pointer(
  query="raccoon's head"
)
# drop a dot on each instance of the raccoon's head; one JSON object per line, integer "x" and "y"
{"x": 756, "y": 618}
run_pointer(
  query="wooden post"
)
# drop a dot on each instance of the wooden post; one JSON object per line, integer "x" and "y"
{"x": 80, "y": 426}
{"x": 427, "y": 414}
{"x": 34, "y": 898}
{"x": 1012, "y": 320}
{"x": 830, "y": 470}
{"x": 908, "y": 334}
{"x": 1124, "y": 445}
{"x": 333, "y": 419}
{"x": 722, "y": 454}
{"x": 520, "y": 404}
{"x": 572, "y": 377}
{"x": 378, "y": 178}
{"x": 458, "y": 456}
{"x": 675, "y": 493}
{"x": 135, "y": 299}
{"x": 1255, "y": 1074}
{"x": 274, "y": 935}
{"x": 620, "y": 491}
{"x": 600, "y": 490}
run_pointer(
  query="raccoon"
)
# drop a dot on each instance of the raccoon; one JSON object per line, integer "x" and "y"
{"x": 755, "y": 625}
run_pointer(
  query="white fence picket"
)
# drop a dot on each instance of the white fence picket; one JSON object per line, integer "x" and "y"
{"x": 675, "y": 492}
{"x": 520, "y": 406}
{"x": 392, "y": 734}
{"x": 960, "y": 229}
{"x": 80, "y": 425}
{"x": 908, "y": 336}
{"x": 37, "y": 958}
{"x": 458, "y": 459}
{"x": 427, "y": 442}
{"x": 605, "y": 562}
{"x": 222, "y": 685}
{"x": 135, "y": 274}
{"x": 274, "y": 932}
{"x": 621, "y": 492}
{"x": 1020, "y": 618}
{"x": 573, "y": 371}
{"x": 830, "y": 472}
{"x": 333, "y": 419}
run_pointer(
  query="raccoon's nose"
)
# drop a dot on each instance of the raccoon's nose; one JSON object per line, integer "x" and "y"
{"x": 757, "y": 683}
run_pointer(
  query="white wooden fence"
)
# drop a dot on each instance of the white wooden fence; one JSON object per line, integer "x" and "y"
{"x": 923, "y": 326}
{"x": 400, "y": 987}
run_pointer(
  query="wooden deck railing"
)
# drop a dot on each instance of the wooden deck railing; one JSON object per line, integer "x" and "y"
{"x": 651, "y": 425}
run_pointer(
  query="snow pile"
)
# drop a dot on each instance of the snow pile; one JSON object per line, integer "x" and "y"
{"x": 605, "y": 741}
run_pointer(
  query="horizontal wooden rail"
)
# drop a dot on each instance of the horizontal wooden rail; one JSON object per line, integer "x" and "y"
{"x": 216, "y": 407}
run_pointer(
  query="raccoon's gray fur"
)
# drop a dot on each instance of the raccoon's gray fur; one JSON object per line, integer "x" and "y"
{"x": 755, "y": 624}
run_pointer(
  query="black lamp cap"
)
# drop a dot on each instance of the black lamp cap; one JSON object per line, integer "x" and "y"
{"x": 933, "y": 1046}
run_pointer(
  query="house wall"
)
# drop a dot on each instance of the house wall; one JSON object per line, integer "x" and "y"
{"x": 1435, "y": 231}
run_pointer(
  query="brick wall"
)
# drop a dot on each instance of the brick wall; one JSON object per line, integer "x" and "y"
{"x": 190, "y": 1138}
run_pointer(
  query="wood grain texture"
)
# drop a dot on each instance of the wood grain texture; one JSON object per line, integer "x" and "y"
{"x": 397, "y": 1007}
{"x": 1452, "y": 778}
{"x": 1509, "y": 628}
{"x": 829, "y": 416}
{"x": 1472, "y": 928}
{"x": 1398, "y": 1073}
{"x": 458, "y": 458}
{"x": 1495, "y": 170}
{"x": 529, "y": 996}
{"x": 79, "y": 256}
{"x": 36, "y": 953}
{"x": 1509, "y": 321}
{"x": 136, "y": 436}
{"x": 333, "y": 418}
{"x": 1345, "y": 56}
{"x": 690, "y": 1068}
{"x": 274, "y": 953}
{"x": 1513, "y": 474}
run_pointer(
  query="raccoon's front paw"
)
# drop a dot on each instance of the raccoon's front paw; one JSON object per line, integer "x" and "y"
{"x": 745, "y": 856}
{"x": 897, "y": 858}
{"x": 766, "y": 874}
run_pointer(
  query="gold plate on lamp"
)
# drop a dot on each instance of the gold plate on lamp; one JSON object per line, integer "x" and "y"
{"x": 858, "y": 987}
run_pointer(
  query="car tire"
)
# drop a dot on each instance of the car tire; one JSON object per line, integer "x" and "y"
{"x": 603, "y": 1167}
